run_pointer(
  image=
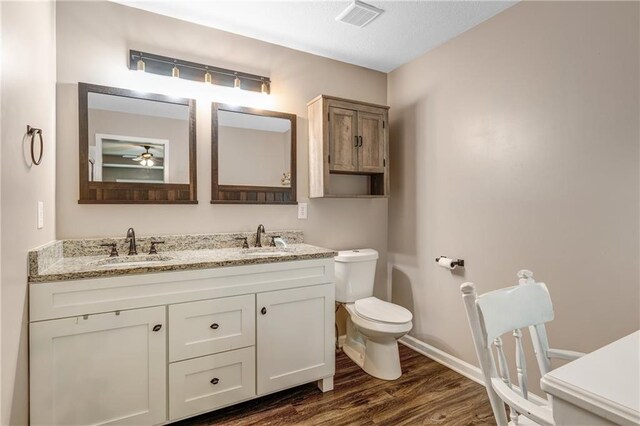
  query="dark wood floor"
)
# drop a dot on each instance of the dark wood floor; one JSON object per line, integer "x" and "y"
{"x": 426, "y": 394}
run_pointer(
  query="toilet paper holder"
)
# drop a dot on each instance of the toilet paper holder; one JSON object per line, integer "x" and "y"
{"x": 454, "y": 263}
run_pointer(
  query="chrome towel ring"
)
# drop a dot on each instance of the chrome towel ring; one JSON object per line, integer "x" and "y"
{"x": 32, "y": 131}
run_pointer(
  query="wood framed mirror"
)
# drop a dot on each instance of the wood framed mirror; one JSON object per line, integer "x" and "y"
{"x": 136, "y": 147}
{"x": 253, "y": 156}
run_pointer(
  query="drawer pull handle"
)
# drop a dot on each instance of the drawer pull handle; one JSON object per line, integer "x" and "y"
{"x": 214, "y": 326}
{"x": 214, "y": 381}
{"x": 263, "y": 311}
{"x": 157, "y": 327}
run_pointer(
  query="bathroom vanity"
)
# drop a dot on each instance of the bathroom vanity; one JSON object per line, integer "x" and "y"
{"x": 150, "y": 340}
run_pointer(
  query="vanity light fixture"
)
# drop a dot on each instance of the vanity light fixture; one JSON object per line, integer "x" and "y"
{"x": 177, "y": 68}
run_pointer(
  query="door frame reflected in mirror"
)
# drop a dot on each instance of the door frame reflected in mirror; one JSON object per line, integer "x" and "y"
{"x": 92, "y": 192}
{"x": 250, "y": 194}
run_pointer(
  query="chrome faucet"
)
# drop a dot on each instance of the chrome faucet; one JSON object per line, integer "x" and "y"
{"x": 258, "y": 232}
{"x": 131, "y": 238}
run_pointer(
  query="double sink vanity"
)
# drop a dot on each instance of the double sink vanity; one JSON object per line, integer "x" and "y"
{"x": 200, "y": 324}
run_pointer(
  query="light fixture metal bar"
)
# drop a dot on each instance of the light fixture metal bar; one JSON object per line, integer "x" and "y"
{"x": 163, "y": 65}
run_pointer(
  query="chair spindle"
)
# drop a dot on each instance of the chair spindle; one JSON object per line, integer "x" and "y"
{"x": 503, "y": 368}
{"x": 521, "y": 364}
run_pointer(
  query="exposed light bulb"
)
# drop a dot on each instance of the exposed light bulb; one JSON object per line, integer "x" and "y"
{"x": 141, "y": 65}
{"x": 264, "y": 88}
{"x": 236, "y": 83}
{"x": 175, "y": 72}
{"x": 207, "y": 78}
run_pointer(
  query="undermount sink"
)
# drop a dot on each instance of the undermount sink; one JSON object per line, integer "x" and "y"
{"x": 264, "y": 251}
{"x": 128, "y": 261}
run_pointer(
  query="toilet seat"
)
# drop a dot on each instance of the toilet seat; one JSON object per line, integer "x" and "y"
{"x": 374, "y": 309}
{"x": 378, "y": 326}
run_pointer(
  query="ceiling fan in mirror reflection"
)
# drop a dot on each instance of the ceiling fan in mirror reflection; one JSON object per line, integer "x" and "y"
{"x": 146, "y": 158}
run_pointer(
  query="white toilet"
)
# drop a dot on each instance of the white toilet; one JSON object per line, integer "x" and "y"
{"x": 374, "y": 326}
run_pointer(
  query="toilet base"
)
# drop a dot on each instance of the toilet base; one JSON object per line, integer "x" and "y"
{"x": 378, "y": 357}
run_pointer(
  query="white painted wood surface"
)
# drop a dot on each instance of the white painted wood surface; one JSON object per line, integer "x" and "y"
{"x": 100, "y": 369}
{"x": 68, "y": 298}
{"x": 206, "y": 383}
{"x": 95, "y": 358}
{"x": 211, "y": 326}
{"x": 602, "y": 387}
{"x": 508, "y": 310}
{"x": 294, "y": 336}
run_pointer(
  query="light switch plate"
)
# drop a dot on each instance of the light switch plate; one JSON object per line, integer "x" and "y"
{"x": 40, "y": 215}
{"x": 302, "y": 210}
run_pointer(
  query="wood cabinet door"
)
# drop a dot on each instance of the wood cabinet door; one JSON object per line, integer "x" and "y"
{"x": 343, "y": 127}
{"x": 295, "y": 339}
{"x": 371, "y": 150}
{"x": 100, "y": 369}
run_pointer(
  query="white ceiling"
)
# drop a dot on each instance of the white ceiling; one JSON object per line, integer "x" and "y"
{"x": 404, "y": 31}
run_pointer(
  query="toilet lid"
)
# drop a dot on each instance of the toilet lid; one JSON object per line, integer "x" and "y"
{"x": 378, "y": 310}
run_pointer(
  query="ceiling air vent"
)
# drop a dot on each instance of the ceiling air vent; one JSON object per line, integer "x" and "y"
{"x": 359, "y": 14}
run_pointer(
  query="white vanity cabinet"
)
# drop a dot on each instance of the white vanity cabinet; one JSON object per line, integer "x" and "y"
{"x": 100, "y": 369}
{"x": 154, "y": 348}
{"x": 295, "y": 336}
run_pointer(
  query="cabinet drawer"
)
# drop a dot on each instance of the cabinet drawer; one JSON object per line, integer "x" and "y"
{"x": 211, "y": 326}
{"x": 203, "y": 384}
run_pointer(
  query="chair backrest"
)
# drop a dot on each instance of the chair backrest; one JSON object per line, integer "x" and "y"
{"x": 502, "y": 311}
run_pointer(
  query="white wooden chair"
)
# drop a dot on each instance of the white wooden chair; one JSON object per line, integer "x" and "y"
{"x": 509, "y": 310}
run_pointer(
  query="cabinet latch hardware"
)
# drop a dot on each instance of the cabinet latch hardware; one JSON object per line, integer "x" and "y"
{"x": 214, "y": 381}
{"x": 383, "y": 124}
{"x": 263, "y": 311}
{"x": 384, "y": 162}
{"x": 157, "y": 327}
{"x": 329, "y": 160}
{"x": 214, "y": 326}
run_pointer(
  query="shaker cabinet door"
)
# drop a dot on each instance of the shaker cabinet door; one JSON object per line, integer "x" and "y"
{"x": 371, "y": 151}
{"x": 343, "y": 128}
{"x": 99, "y": 369}
{"x": 295, "y": 337}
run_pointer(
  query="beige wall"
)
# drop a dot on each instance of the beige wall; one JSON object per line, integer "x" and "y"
{"x": 95, "y": 50}
{"x": 516, "y": 145}
{"x": 28, "y": 97}
{"x": 252, "y": 157}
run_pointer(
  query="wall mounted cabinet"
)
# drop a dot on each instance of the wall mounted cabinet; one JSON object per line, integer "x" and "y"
{"x": 350, "y": 138}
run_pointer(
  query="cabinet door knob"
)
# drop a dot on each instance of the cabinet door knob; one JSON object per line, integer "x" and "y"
{"x": 360, "y": 141}
{"x": 214, "y": 381}
{"x": 214, "y": 326}
{"x": 356, "y": 138}
{"x": 157, "y": 327}
{"x": 263, "y": 310}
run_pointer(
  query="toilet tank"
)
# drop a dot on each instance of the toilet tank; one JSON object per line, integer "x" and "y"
{"x": 355, "y": 274}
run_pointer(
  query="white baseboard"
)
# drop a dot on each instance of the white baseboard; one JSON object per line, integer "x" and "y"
{"x": 456, "y": 364}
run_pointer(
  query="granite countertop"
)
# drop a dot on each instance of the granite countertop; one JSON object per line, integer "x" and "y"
{"x": 68, "y": 260}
